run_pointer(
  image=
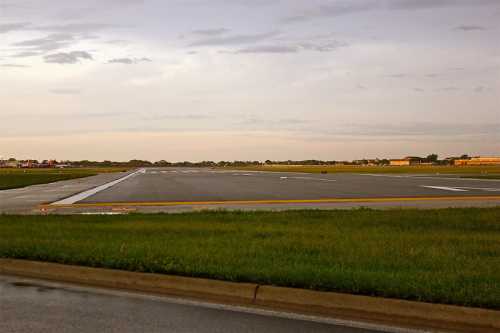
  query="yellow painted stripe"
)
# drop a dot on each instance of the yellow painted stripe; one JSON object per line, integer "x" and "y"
{"x": 269, "y": 202}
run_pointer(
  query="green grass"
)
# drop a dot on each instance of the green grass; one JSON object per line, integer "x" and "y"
{"x": 482, "y": 176}
{"x": 16, "y": 178}
{"x": 447, "y": 256}
{"x": 426, "y": 169}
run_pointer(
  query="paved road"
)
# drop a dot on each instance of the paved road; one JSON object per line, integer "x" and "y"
{"x": 26, "y": 200}
{"x": 35, "y": 306}
{"x": 194, "y": 187}
{"x": 202, "y": 185}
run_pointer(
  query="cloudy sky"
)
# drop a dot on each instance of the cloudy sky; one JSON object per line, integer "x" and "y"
{"x": 248, "y": 79}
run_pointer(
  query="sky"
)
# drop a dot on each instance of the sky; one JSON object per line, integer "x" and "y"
{"x": 248, "y": 79}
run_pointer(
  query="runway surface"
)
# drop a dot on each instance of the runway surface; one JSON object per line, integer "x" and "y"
{"x": 205, "y": 186}
{"x": 34, "y": 306}
{"x": 185, "y": 189}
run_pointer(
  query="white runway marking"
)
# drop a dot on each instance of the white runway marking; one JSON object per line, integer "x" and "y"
{"x": 309, "y": 178}
{"x": 487, "y": 189}
{"x": 464, "y": 189}
{"x": 445, "y": 188}
{"x": 429, "y": 177}
{"x": 84, "y": 195}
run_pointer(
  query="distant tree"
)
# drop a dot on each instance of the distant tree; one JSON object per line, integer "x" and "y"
{"x": 162, "y": 163}
{"x": 432, "y": 158}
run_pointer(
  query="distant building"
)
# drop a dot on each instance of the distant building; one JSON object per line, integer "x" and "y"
{"x": 407, "y": 161}
{"x": 9, "y": 163}
{"x": 478, "y": 161}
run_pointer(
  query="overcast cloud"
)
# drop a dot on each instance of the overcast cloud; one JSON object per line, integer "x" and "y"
{"x": 248, "y": 79}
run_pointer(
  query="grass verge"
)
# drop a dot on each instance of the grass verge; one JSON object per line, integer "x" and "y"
{"x": 17, "y": 178}
{"x": 448, "y": 256}
{"x": 483, "y": 177}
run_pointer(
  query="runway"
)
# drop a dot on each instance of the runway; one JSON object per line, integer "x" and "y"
{"x": 171, "y": 187}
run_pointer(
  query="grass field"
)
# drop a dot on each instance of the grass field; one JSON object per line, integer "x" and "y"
{"x": 483, "y": 176}
{"x": 16, "y": 178}
{"x": 446, "y": 256}
{"x": 492, "y": 171}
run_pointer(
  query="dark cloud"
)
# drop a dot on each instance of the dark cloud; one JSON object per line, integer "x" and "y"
{"x": 8, "y": 27}
{"x": 259, "y": 123}
{"x": 451, "y": 88}
{"x": 234, "y": 40}
{"x": 417, "y": 129}
{"x": 470, "y": 28}
{"x": 293, "y": 48}
{"x": 14, "y": 66}
{"x": 322, "y": 46}
{"x": 211, "y": 32}
{"x": 187, "y": 116}
{"x": 128, "y": 61}
{"x": 45, "y": 44}
{"x": 479, "y": 89}
{"x": 68, "y": 58}
{"x": 345, "y": 7}
{"x": 330, "y": 10}
{"x": 397, "y": 75}
{"x": 77, "y": 28}
{"x": 26, "y": 54}
{"x": 269, "y": 49}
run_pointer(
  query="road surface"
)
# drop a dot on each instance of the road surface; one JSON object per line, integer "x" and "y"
{"x": 34, "y": 306}
{"x": 187, "y": 189}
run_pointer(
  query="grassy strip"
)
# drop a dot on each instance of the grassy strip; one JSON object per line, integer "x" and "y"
{"x": 17, "y": 178}
{"x": 427, "y": 169}
{"x": 445, "y": 256}
{"x": 483, "y": 177}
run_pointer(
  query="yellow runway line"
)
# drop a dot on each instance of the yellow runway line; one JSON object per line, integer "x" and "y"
{"x": 268, "y": 202}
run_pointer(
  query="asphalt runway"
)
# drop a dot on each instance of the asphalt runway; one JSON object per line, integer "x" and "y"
{"x": 33, "y": 306}
{"x": 179, "y": 186}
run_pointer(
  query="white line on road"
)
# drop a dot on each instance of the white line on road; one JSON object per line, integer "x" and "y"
{"x": 428, "y": 177}
{"x": 445, "y": 188}
{"x": 464, "y": 189}
{"x": 487, "y": 189}
{"x": 84, "y": 195}
{"x": 309, "y": 178}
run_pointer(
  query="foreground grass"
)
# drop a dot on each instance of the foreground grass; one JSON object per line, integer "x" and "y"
{"x": 16, "y": 178}
{"x": 446, "y": 256}
{"x": 425, "y": 169}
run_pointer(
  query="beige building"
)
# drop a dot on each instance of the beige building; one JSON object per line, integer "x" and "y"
{"x": 400, "y": 162}
{"x": 407, "y": 161}
{"x": 479, "y": 161}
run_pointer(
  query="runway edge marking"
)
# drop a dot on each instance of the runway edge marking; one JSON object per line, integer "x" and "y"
{"x": 83, "y": 195}
{"x": 269, "y": 202}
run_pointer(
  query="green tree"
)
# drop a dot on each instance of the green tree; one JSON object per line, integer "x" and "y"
{"x": 432, "y": 158}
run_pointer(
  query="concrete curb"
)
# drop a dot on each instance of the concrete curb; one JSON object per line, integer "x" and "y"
{"x": 370, "y": 309}
{"x": 153, "y": 283}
